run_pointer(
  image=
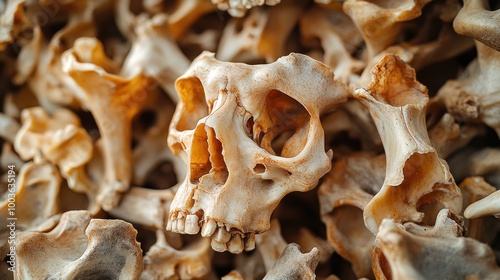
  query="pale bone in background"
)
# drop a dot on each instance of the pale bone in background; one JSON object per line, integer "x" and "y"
{"x": 159, "y": 139}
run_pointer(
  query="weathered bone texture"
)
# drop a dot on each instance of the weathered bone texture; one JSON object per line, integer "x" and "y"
{"x": 224, "y": 107}
{"x": 293, "y": 264}
{"x": 415, "y": 175}
{"x": 404, "y": 255}
{"x": 80, "y": 248}
{"x": 343, "y": 195}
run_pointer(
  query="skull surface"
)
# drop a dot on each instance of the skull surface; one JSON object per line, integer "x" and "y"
{"x": 250, "y": 134}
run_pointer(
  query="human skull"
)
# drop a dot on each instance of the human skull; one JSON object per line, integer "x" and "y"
{"x": 249, "y": 135}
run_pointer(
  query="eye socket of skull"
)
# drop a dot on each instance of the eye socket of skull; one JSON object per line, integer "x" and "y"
{"x": 193, "y": 99}
{"x": 283, "y": 128}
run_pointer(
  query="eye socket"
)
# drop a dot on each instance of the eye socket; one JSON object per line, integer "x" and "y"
{"x": 192, "y": 95}
{"x": 283, "y": 126}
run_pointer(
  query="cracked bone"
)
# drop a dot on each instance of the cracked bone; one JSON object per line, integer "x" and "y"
{"x": 415, "y": 175}
{"x": 275, "y": 119}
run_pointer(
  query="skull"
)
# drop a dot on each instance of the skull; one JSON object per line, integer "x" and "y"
{"x": 250, "y": 134}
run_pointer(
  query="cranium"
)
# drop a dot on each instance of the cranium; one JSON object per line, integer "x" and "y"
{"x": 250, "y": 135}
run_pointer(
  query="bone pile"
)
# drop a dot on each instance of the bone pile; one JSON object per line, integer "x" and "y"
{"x": 250, "y": 139}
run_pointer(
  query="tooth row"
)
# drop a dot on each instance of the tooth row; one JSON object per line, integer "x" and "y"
{"x": 222, "y": 239}
{"x": 184, "y": 223}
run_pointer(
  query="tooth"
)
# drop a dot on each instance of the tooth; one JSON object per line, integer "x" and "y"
{"x": 235, "y": 245}
{"x": 169, "y": 225}
{"x": 222, "y": 235}
{"x": 250, "y": 242}
{"x": 209, "y": 228}
{"x": 181, "y": 224}
{"x": 192, "y": 226}
{"x": 174, "y": 225}
{"x": 218, "y": 246}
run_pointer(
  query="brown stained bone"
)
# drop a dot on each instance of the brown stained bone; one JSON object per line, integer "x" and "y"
{"x": 415, "y": 175}
{"x": 81, "y": 247}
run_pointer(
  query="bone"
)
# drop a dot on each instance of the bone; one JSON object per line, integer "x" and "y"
{"x": 112, "y": 111}
{"x": 415, "y": 175}
{"x": 292, "y": 264}
{"x": 81, "y": 247}
{"x": 206, "y": 139}
{"x": 404, "y": 254}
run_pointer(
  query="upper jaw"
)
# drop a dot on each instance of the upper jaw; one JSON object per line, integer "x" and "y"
{"x": 224, "y": 236}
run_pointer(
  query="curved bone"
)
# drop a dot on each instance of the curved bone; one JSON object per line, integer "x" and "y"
{"x": 380, "y": 25}
{"x": 415, "y": 175}
{"x": 475, "y": 189}
{"x": 241, "y": 124}
{"x": 270, "y": 244}
{"x": 113, "y": 101}
{"x": 477, "y": 21}
{"x": 80, "y": 247}
{"x": 61, "y": 140}
{"x": 484, "y": 207}
{"x": 38, "y": 185}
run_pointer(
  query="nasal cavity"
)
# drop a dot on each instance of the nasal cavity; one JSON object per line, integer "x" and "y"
{"x": 200, "y": 158}
{"x": 219, "y": 168}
